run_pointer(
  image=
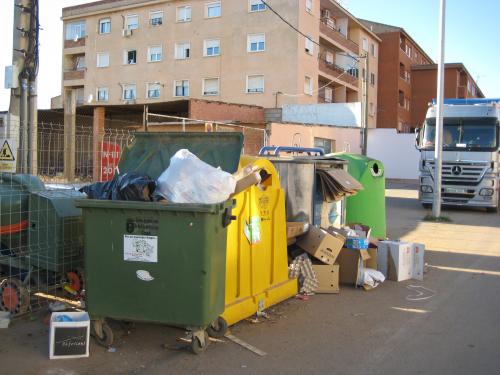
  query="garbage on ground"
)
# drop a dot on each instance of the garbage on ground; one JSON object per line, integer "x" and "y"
{"x": 302, "y": 269}
{"x": 321, "y": 244}
{"x": 126, "y": 187}
{"x": 370, "y": 278}
{"x": 4, "y": 319}
{"x": 400, "y": 261}
{"x": 353, "y": 261}
{"x": 337, "y": 184}
{"x": 190, "y": 180}
{"x": 69, "y": 335}
{"x": 328, "y": 277}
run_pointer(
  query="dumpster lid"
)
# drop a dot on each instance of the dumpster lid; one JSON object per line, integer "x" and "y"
{"x": 150, "y": 153}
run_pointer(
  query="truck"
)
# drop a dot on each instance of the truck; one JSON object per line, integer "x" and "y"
{"x": 470, "y": 158}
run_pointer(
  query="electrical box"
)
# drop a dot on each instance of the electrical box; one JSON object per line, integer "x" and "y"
{"x": 11, "y": 77}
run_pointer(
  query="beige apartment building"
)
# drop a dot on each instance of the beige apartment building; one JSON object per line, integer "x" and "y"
{"x": 237, "y": 51}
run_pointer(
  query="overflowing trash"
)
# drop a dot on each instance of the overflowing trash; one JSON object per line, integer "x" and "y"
{"x": 123, "y": 187}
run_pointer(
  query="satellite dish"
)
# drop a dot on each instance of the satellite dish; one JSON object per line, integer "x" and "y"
{"x": 90, "y": 98}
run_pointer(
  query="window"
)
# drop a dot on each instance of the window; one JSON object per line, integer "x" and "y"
{"x": 374, "y": 50}
{"x": 153, "y": 90}
{"x": 328, "y": 145}
{"x": 255, "y": 84}
{"x": 184, "y": 13}
{"x": 328, "y": 94}
{"x": 129, "y": 92}
{"x": 102, "y": 94}
{"x": 309, "y": 6}
{"x": 329, "y": 57}
{"x": 372, "y": 79}
{"x": 132, "y": 22}
{"x": 182, "y": 50}
{"x": 80, "y": 63}
{"x": 308, "y": 85}
{"x": 309, "y": 46}
{"x": 75, "y": 30}
{"x": 156, "y": 18}
{"x": 257, "y": 6}
{"x": 130, "y": 57}
{"x": 211, "y": 47}
{"x": 181, "y": 88}
{"x": 102, "y": 59}
{"x": 401, "y": 98}
{"x": 210, "y": 86}
{"x": 154, "y": 53}
{"x": 213, "y": 10}
{"x": 372, "y": 110}
{"x": 365, "y": 44}
{"x": 105, "y": 26}
{"x": 256, "y": 42}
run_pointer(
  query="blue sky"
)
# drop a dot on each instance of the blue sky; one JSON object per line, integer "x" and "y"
{"x": 471, "y": 36}
{"x": 471, "y": 31}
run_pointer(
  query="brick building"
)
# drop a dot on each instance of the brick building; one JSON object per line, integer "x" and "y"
{"x": 458, "y": 84}
{"x": 398, "y": 54}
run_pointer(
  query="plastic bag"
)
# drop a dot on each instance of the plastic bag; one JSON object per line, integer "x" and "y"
{"x": 191, "y": 180}
{"x": 126, "y": 187}
{"x": 371, "y": 277}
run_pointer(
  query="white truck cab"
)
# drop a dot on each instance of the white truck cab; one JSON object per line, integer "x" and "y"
{"x": 470, "y": 164}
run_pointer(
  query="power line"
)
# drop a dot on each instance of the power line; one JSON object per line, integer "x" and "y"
{"x": 304, "y": 35}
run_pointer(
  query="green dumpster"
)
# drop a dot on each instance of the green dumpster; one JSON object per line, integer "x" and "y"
{"x": 368, "y": 206}
{"x": 154, "y": 262}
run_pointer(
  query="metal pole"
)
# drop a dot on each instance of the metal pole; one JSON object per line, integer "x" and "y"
{"x": 365, "y": 106}
{"x": 438, "y": 150}
{"x": 24, "y": 131}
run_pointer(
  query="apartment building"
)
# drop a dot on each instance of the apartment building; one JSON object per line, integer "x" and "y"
{"x": 237, "y": 51}
{"x": 398, "y": 53}
{"x": 458, "y": 84}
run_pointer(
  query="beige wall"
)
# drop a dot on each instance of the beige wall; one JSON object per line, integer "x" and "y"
{"x": 346, "y": 139}
{"x": 278, "y": 63}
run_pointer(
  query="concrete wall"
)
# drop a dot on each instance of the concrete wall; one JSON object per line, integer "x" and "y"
{"x": 339, "y": 114}
{"x": 396, "y": 151}
{"x": 286, "y": 134}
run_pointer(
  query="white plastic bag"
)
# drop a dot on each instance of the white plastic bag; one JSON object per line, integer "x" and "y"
{"x": 190, "y": 180}
{"x": 371, "y": 277}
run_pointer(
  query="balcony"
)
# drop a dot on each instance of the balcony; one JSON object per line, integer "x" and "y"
{"x": 328, "y": 29}
{"x": 338, "y": 72}
{"x": 80, "y": 42}
{"x": 72, "y": 75}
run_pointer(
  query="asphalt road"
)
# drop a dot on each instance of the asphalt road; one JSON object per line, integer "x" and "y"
{"x": 447, "y": 324}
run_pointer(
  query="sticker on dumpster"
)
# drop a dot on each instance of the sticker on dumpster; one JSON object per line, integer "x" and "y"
{"x": 140, "y": 248}
{"x": 252, "y": 230}
{"x": 144, "y": 275}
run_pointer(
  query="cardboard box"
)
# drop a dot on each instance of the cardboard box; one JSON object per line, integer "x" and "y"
{"x": 295, "y": 229}
{"x": 400, "y": 261}
{"x": 351, "y": 262}
{"x": 328, "y": 278}
{"x": 69, "y": 339}
{"x": 322, "y": 245}
{"x": 363, "y": 231}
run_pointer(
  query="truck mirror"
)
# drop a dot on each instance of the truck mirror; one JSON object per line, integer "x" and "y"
{"x": 417, "y": 138}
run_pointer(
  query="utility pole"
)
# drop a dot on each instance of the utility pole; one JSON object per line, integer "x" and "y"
{"x": 364, "y": 120}
{"x": 438, "y": 149}
{"x": 23, "y": 98}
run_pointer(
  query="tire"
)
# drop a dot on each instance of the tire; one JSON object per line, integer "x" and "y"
{"x": 14, "y": 297}
{"x": 197, "y": 347}
{"x": 218, "y": 328}
{"x": 107, "y": 338}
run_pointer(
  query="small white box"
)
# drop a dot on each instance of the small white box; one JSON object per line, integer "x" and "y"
{"x": 69, "y": 339}
{"x": 400, "y": 261}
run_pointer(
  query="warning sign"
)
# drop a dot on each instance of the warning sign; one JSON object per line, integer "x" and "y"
{"x": 7, "y": 155}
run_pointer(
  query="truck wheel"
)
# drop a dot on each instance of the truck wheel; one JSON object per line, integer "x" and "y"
{"x": 218, "y": 328}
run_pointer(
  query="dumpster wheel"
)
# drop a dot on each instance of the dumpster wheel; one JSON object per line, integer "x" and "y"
{"x": 14, "y": 297}
{"x": 104, "y": 338}
{"x": 218, "y": 328}
{"x": 199, "y": 344}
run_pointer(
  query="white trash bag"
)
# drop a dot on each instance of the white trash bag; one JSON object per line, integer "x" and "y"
{"x": 190, "y": 180}
{"x": 370, "y": 277}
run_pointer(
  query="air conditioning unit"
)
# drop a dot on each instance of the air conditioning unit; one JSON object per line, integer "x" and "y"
{"x": 325, "y": 13}
{"x": 126, "y": 33}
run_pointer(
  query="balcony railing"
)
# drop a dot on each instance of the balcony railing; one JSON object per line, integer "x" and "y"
{"x": 72, "y": 75}
{"x": 80, "y": 42}
{"x": 337, "y": 72}
{"x": 329, "y": 30}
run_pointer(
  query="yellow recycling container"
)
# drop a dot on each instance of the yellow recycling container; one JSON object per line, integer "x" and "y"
{"x": 256, "y": 259}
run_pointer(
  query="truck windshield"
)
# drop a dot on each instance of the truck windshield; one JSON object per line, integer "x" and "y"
{"x": 460, "y": 134}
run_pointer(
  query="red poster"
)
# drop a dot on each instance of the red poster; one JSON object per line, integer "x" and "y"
{"x": 110, "y": 157}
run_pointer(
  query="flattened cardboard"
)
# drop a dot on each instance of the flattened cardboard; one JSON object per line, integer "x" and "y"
{"x": 328, "y": 278}
{"x": 322, "y": 245}
{"x": 295, "y": 229}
